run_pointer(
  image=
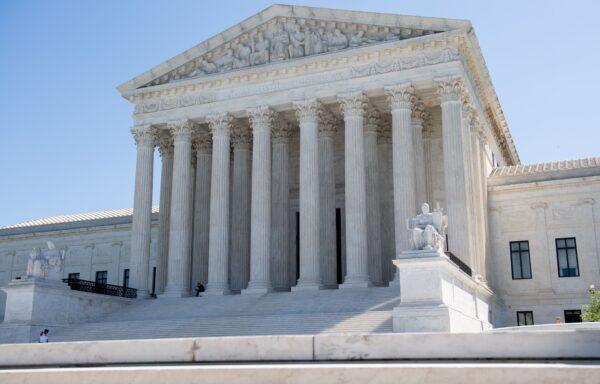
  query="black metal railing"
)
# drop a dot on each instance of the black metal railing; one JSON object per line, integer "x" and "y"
{"x": 460, "y": 264}
{"x": 101, "y": 288}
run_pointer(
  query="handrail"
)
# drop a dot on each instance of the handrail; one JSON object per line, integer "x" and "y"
{"x": 459, "y": 263}
{"x": 101, "y": 288}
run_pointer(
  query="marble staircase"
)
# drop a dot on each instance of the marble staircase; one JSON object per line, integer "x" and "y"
{"x": 280, "y": 313}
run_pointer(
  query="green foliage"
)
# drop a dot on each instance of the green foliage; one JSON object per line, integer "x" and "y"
{"x": 592, "y": 311}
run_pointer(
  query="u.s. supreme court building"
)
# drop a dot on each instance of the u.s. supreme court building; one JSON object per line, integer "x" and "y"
{"x": 296, "y": 149}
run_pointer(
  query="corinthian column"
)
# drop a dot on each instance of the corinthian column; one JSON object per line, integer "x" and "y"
{"x": 328, "y": 256}
{"x": 142, "y": 209}
{"x": 166, "y": 181}
{"x": 218, "y": 244}
{"x": 260, "y": 237}
{"x": 180, "y": 234}
{"x": 357, "y": 263}
{"x": 280, "y": 207}
{"x": 203, "y": 147}
{"x": 418, "y": 120}
{"x": 372, "y": 121}
{"x": 239, "y": 270}
{"x": 401, "y": 101}
{"x": 310, "y": 268}
{"x": 455, "y": 178}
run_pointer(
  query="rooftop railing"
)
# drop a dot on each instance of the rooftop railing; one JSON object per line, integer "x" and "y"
{"x": 101, "y": 288}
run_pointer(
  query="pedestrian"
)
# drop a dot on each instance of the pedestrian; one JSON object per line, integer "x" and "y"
{"x": 199, "y": 288}
{"x": 44, "y": 336}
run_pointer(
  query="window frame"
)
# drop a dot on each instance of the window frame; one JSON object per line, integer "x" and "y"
{"x": 566, "y": 248}
{"x": 572, "y": 310}
{"x": 105, "y": 277}
{"x": 71, "y": 276}
{"x": 525, "y": 313}
{"x": 512, "y": 267}
{"x": 126, "y": 274}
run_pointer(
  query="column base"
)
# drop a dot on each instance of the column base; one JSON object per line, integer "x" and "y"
{"x": 307, "y": 287}
{"x": 256, "y": 288}
{"x": 356, "y": 282}
{"x": 217, "y": 289}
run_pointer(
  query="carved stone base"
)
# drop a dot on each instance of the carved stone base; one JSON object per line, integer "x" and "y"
{"x": 436, "y": 296}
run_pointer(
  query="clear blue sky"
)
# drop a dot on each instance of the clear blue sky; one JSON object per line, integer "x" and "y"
{"x": 65, "y": 145}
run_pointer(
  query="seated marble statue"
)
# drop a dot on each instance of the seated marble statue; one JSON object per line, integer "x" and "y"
{"x": 428, "y": 230}
{"x": 47, "y": 263}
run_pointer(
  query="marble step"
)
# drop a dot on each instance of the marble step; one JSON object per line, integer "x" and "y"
{"x": 353, "y": 322}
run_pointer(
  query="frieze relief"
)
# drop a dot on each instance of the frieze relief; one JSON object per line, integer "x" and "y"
{"x": 425, "y": 58}
{"x": 286, "y": 39}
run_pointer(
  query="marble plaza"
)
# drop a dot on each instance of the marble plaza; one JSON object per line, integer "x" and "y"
{"x": 323, "y": 172}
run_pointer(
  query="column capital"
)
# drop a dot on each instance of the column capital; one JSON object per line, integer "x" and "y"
{"x": 143, "y": 134}
{"x": 372, "y": 120}
{"x": 202, "y": 143}
{"x": 327, "y": 125}
{"x": 180, "y": 129}
{"x": 450, "y": 89}
{"x": 352, "y": 104}
{"x": 165, "y": 145}
{"x": 282, "y": 130}
{"x": 220, "y": 124}
{"x": 260, "y": 117}
{"x": 385, "y": 130}
{"x": 400, "y": 96}
{"x": 241, "y": 136}
{"x": 308, "y": 110}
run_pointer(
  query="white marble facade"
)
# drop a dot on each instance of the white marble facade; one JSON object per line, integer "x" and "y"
{"x": 296, "y": 145}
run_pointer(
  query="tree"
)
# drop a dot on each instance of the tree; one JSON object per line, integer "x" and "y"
{"x": 592, "y": 311}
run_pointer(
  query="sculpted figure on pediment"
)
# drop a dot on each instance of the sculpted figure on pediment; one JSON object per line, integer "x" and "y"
{"x": 336, "y": 40}
{"x": 280, "y": 43}
{"x": 298, "y": 41}
{"x": 242, "y": 57}
{"x": 313, "y": 41}
{"x": 225, "y": 61}
{"x": 261, "y": 51}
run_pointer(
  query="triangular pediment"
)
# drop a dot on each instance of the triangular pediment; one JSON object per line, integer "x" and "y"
{"x": 284, "y": 32}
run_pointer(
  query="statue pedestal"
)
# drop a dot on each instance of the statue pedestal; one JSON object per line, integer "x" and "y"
{"x": 34, "y": 304}
{"x": 436, "y": 296}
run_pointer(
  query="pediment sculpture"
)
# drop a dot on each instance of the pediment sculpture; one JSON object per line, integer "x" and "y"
{"x": 285, "y": 39}
{"x": 47, "y": 263}
{"x": 428, "y": 229}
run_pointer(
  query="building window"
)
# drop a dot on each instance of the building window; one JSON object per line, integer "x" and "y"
{"x": 74, "y": 276}
{"x": 573, "y": 316}
{"x": 519, "y": 260}
{"x": 101, "y": 277}
{"x": 566, "y": 253}
{"x": 524, "y": 318}
{"x": 126, "y": 278}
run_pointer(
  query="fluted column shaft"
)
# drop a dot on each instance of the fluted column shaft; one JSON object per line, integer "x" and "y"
{"x": 142, "y": 209}
{"x": 260, "y": 237}
{"x": 201, "y": 209}
{"x": 327, "y": 240}
{"x": 218, "y": 248}
{"x": 418, "y": 118}
{"x": 280, "y": 207}
{"x": 373, "y": 202}
{"x": 166, "y": 182}
{"x": 239, "y": 269}
{"x": 455, "y": 181}
{"x": 388, "y": 245}
{"x": 357, "y": 264}
{"x": 310, "y": 265}
{"x": 401, "y": 102}
{"x": 480, "y": 211}
{"x": 179, "y": 261}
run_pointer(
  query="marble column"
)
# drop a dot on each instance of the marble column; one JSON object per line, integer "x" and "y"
{"x": 480, "y": 213}
{"x": 386, "y": 187}
{"x": 455, "y": 178}
{"x": 180, "y": 234}
{"x": 239, "y": 268}
{"x": 357, "y": 263}
{"x": 310, "y": 266}
{"x": 203, "y": 148}
{"x": 166, "y": 181}
{"x": 142, "y": 209}
{"x": 218, "y": 244}
{"x": 327, "y": 239}
{"x": 401, "y": 98}
{"x": 372, "y": 121}
{"x": 419, "y": 117}
{"x": 260, "y": 237}
{"x": 280, "y": 206}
